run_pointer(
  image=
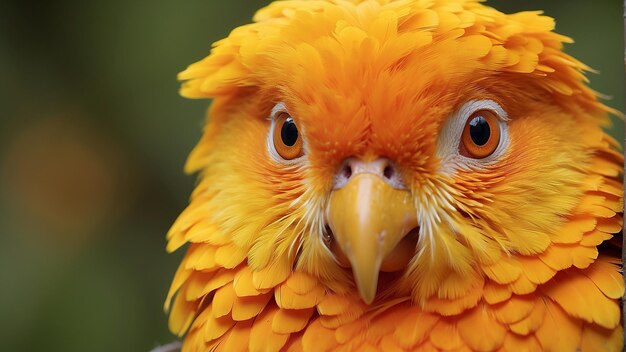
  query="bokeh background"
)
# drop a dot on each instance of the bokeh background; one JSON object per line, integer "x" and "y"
{"x": 93, "y": 138}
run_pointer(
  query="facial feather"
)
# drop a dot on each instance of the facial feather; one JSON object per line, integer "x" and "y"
{"x": 370, "y": 79}
{"x": 346, "y": 83}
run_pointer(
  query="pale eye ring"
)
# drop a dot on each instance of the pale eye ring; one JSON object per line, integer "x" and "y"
{"x": 473, "y": 137}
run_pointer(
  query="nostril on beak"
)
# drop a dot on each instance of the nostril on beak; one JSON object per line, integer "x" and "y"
{"x": 382, "y": 167}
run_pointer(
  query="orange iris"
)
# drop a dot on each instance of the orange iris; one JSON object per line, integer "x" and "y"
{"x": 481, "y": 135}
{"x": 287, "y": 139}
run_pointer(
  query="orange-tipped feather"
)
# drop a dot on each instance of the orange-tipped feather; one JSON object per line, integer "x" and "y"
{"x": 508, "y": 252}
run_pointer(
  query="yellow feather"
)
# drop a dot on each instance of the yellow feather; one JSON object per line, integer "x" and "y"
{"x": 243, "y": 283}
{"x": 337, "y": 310}
{"x": 182, "y": 314}
{"x": 605, "y": 275}
{"x": 577, "y": 295}
{"x": 572, "y": 231}
{"x": 193, "y": 342}
{"x": 288, "y": 321}
{"x": 175, "y": 241}
{"x": 532, "y": 322}
{"x": 559, "y": 331}
{"x": 595, "y": 206}
{"x": 334, "y": 321}
{"x": 535, "y": 270}
{"x": 301, "y": 283}
{"x": 582, "y": 256}
{"x": 611, "y": 187}
{"x": 204, "y": 232}
{"x": 201, "y": 257}
{"x": 356, "y": 344}
{"x": 504, "y": 271}
{"x": 517, "y": 343}
{"x": 408, "y": 333}
{"x": 522, "y": 285}
{"x": 456, "y": 285}
{"x": 595, "y": 338}
{"x": 262, "y": 337}
{"x": 384, "y": 323}
{"x": 188, "y": 218}
{"x": 448, "y": 307}
{"x": 445, "y": 335}
{"x": 194, "y": 286}
{"x": 201, "y": 283}
{"x": 230, "y": 256}
{"x": 287, "y": 298}
{"x": 366, "y": 347}
{"x": 238, "y": 337}
{"x": 480, "y": 330}
{"x": 271, "y": 275}
{"x": 199, "y": 323}
{"x": 223, "y": 301}
{"x": 318, "y": 338}
{"x": 294, "y": 344}
{"x": 215, "y": 328}
{"x": 389, "y": 343}
{"x": 427, "y": 347}
{"x": 594, "y": 238}
{"x": 348, "y": 332}
{"x": 557, "y": 257}
{"x": 181, "y": 276}
{"x": 334, "y": 304}
{"x": 495, "y": 293}
{"x": 611, "y": 225}
{"x": 605, "y": 167}
{"x": 480, "y": 46}
{"x": 246, "y": 308}
{"x": 514, "y": 309}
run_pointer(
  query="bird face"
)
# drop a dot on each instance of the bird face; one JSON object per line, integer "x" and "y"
{"x": 420, "y": 190}
{"x": 391, "y": 153}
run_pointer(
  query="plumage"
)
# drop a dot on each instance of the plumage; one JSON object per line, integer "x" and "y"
{"x": 243, "y": 283}
{"x": 445, "y": 335}
{"x": 238, "y": 337}
{"x": 480, "y": 331}
{"x": 559, "y": 331}
{"x": 262, "y": 336}
{"x": 223, "y": 301}
{"x": 286, "y": 297}
{"x": 288, "y": 321}
{"x": 532, "y": 322}
{"x": 246, "y": 308}
{"x": 398, "y": 175}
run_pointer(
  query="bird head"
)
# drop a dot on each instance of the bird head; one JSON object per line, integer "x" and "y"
{"x": 390, "y": 146}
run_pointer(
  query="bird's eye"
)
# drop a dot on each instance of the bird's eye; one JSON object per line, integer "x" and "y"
{"x": 287, "y": 139}
{"x": 481, "y": 135}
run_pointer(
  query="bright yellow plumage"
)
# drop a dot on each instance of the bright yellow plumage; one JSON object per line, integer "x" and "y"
{"x": 439, "y": 180}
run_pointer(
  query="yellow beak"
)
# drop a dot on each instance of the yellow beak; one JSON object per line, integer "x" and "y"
{"x": 369, "y": 218}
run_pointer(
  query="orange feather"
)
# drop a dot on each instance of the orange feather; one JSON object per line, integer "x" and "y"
{"x": 507, "y": 251}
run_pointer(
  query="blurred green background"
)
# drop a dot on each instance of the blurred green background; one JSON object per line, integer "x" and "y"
{"x": 93, "y": 138}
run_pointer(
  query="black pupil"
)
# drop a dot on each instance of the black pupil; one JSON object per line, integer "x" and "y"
{"x": 479, "y": 130}
{"x": 289, "y": 132}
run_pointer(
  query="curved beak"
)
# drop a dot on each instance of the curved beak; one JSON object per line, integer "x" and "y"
{"x": 369, "y": 218}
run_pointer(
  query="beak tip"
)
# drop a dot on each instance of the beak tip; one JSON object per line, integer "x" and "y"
{"x": 368, "y": 293}
{"x": 368, "y": 299}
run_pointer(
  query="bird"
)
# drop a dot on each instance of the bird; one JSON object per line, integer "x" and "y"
{"x": 398, "y": 175}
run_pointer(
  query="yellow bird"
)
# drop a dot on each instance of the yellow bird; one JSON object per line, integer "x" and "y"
{"x": 410, "y": 175}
